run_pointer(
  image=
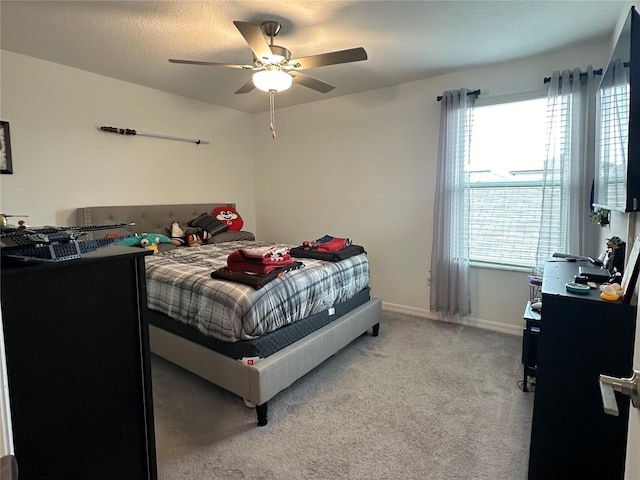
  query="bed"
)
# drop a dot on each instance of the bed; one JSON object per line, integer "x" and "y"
{"x": 255, "y": 362}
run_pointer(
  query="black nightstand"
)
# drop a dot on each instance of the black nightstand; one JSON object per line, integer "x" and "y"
{"x": 530, "y": 335}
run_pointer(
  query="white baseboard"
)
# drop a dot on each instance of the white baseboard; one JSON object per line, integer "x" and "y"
{"x": 468, "y": 321}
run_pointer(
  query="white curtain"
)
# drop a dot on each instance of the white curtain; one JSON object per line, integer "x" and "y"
{"x": 569, "y": 167}
{"x": 449, "y": 292}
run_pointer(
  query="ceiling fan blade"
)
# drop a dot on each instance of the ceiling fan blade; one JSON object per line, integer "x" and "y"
{"x": 331, "y": 58}
{"x": 254, "y": 37}
{"x": 196, "y": 62}
{"x": 307, "y": 81}
{"x": 247, "y": 87}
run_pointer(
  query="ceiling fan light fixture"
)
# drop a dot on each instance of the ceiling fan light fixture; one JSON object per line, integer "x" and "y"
{"x": 272, "y": 80}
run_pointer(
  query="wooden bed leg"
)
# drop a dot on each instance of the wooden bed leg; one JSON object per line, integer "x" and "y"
{"x": 261, "y": 410}
{"x": 376, "y": 329}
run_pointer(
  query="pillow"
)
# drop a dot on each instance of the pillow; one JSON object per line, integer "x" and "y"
{"x": 230, "y": 216}
{"x": 208, "y": 223}
{"x": 230, "y": 236}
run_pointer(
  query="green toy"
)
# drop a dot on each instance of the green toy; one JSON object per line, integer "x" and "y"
{"x": 149, "y": 241}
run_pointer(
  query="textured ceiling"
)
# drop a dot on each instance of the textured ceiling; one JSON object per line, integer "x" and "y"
{"x": 405, "y": 40}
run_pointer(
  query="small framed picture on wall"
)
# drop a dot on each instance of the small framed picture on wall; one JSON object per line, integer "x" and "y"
{"x": 6, "y": 164}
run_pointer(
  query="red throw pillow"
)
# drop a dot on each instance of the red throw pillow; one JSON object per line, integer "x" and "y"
{"x": 230, "y": 216}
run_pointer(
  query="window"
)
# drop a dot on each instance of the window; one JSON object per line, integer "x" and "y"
{"x": 508, "y": 149}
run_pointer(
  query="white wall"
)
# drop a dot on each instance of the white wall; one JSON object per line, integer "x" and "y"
{"x": 61, "y": 160}
{"x": 363, "y": 166}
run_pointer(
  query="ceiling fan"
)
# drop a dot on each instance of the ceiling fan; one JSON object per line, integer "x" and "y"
{"x": 274, "y": 69}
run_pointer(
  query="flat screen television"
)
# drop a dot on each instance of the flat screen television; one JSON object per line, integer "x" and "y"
{"x": 617, "y": 148}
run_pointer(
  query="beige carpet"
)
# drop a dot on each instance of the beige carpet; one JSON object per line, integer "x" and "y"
{"x": 424, "y": 400}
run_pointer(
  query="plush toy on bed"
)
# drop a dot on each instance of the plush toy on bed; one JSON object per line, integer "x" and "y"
{"x": 177, "y": 234}
{"x": 149, "y": 241}
{"x": 196, "y": 236}
{"x": 189, "y": 236}
{"x": 230, "y": 216}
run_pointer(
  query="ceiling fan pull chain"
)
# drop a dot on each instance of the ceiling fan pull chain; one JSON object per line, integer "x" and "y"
{"x": 272, "y": 114}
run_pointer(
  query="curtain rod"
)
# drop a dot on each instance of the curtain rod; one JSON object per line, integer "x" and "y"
{"x": 129, "y": 131}
{"x": 582, "y": 74}
{"x": 474, "y": 92}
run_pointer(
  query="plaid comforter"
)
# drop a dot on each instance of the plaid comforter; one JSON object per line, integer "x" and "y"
{"x": 179, "y": 284}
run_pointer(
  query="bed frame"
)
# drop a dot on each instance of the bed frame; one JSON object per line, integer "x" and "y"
{"x": 256, "y": 383}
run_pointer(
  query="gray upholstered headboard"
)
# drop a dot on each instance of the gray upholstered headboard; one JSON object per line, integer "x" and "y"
{"x": 147, "y": 218}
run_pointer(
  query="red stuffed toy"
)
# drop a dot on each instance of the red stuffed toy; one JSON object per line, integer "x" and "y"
{"x": 230, "y": 216}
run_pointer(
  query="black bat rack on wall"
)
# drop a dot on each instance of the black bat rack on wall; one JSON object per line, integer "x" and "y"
{"x": 129, "y": 131}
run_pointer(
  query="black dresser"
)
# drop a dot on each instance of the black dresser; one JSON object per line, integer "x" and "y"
{"x": 77, "y": 354}
{"x": 581, "y": 336}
